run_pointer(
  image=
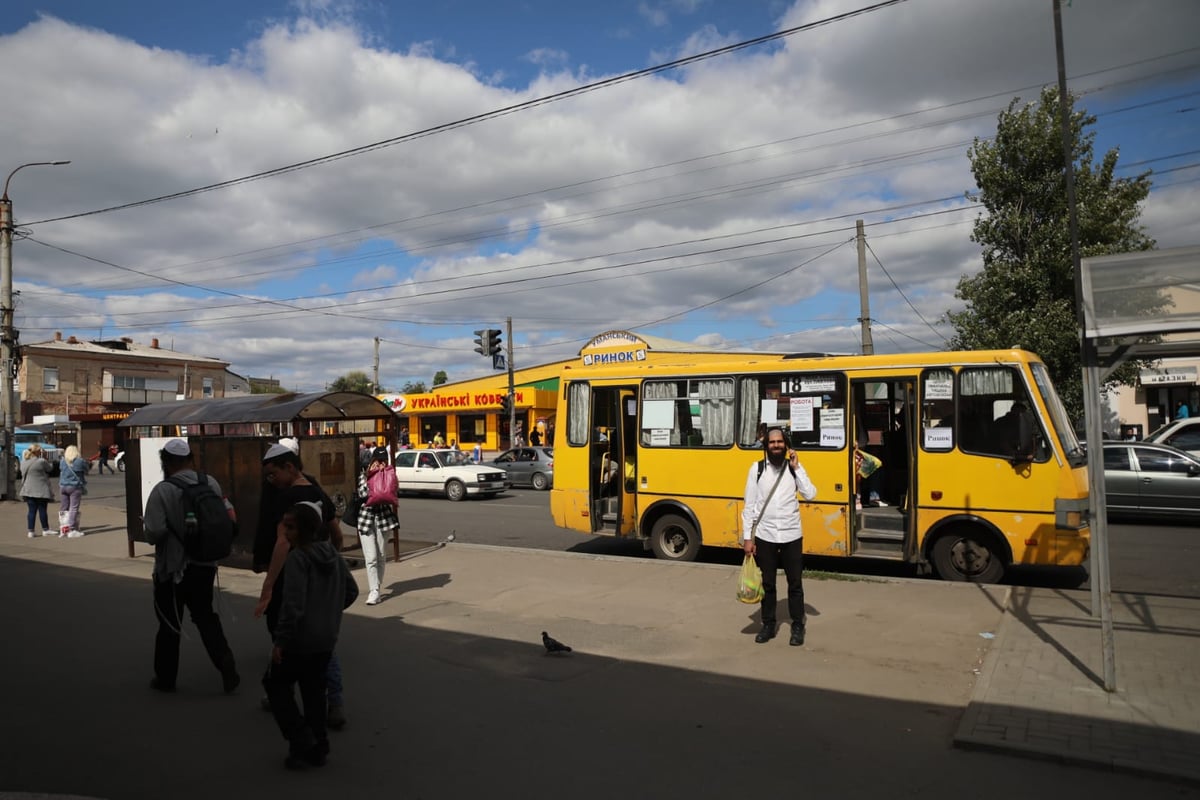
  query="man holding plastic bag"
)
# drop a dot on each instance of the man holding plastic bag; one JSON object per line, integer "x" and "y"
{"x": 771, "y": 530}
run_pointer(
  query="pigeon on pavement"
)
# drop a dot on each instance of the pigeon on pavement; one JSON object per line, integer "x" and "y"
{"x": 553, "y": 645}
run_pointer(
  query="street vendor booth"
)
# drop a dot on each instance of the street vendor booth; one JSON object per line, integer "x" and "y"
{"x": 229, "y": 437}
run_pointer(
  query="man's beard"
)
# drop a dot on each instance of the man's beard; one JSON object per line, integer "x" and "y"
{"x": 776, "y": 457}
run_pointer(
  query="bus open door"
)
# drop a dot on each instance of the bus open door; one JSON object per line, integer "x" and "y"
{"x": 613, "y": 469}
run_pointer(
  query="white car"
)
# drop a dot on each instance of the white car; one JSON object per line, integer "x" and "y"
{"x": 1183, "y": 434}
{"x": 448, "y": 472}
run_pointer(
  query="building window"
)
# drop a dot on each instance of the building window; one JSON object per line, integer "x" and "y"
{"x": 50, "y": 379}
{"x": 208, "y": 387}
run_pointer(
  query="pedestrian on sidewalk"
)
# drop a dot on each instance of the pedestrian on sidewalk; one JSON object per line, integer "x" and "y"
{"x": 35, "y": 488}
{"x": 376, "y": 522}
{"x": 317, "y": 588}
{"x": 178, "y": 581}
{"x": 102, "y": 460}
{"x": 771, "y": 530}
{"x": 72, "y": 485}
{"x": 286, "y": 485}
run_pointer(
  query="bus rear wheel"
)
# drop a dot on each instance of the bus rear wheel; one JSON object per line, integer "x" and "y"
{"x": 965, "y": 555}
{"x": 675, "y": 539}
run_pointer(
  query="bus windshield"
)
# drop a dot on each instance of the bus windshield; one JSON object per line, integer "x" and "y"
{"x": 1058, "y": 412}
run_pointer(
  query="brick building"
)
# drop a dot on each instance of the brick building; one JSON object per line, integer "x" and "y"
{"x": 97, "y": 383}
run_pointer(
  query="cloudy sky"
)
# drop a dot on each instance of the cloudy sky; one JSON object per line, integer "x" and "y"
{"x": 383, "y": 169}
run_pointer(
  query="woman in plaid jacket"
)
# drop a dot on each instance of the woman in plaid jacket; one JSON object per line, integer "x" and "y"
{"x": 375, "y": 523}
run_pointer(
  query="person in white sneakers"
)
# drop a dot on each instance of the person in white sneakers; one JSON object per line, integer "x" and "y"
{"x": 35, "y": 488}
{"x": 377, "y": 518}
{"x": 72, "y": 485}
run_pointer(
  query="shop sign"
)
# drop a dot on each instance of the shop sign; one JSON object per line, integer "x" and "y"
{"x": 479, "y": 401}
{"x": 1155, "y": 377}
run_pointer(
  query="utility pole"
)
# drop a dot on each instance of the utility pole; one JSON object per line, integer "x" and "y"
{"x": 864, "y": 300}
{"x": 512, "y": 397}
{"x": 1100, "y": 570}
{"x": 8, "y": 335}
{"x": 375, "y": 378}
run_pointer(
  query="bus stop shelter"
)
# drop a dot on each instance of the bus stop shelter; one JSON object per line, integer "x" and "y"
{"x": 230, "y": 436}
{"x": 1142, "y": 305}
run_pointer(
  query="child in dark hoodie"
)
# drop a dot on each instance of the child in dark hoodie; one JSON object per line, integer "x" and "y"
{"x": 318, "y": 587}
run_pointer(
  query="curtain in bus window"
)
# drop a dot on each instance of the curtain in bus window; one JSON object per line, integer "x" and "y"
{"x": 997, "y": 380}
{"x": 578, "y": 409}
{"x": 716, "y": 411}
{"x": 750, "y": 409}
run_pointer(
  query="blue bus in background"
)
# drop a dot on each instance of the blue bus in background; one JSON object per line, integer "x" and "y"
{"x": 23, "y": 437}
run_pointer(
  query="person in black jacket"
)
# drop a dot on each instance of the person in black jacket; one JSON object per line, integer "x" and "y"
{"x": 317, "y": 588}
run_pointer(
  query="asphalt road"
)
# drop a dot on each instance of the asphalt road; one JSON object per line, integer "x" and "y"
{"x": 1146, "y": 557}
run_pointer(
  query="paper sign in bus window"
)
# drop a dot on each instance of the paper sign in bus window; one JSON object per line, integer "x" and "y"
{"x": 939, "y": 438}
{"x": 768, "y": 410}
{"x": 801, "y": 413}
{"x": 939, "y": 388}
{"x": 658, "y": 414}
{"x": 833, "y": 427}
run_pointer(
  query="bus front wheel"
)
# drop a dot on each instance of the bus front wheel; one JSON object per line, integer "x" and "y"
{"x": 965, "y": 555}
{"x": 675, "y": 539}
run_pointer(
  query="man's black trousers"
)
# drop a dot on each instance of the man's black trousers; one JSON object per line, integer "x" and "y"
{"x": 770, "y": 556}
{"x": 195, "y": 592}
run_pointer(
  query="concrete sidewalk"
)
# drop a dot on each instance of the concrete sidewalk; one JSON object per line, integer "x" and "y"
{"x": 891, "y": 669}
{"x": 1041, "y": 689}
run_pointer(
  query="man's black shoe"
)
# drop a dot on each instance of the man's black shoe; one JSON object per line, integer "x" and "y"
{"x": 767, "y": 633}
{"x": 797, "y": 635}
{"x": 161, "y": 686}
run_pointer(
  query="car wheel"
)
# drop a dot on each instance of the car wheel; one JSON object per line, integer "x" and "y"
{"x": 455, "y": 490}
{"x": 965, "y": 555}
{"x": 674, "y": 538}
{"x": 539, "y": 481}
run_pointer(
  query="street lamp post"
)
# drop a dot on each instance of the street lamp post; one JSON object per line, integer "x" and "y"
{"x": 8, "y": 338}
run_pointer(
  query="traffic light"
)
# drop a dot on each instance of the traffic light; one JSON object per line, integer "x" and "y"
{"x": 487, "y": 342}
{"x": 506, "y": 404}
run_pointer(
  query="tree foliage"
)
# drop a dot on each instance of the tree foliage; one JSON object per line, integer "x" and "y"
{"x": 414, "y": 387}
{"x": 353, "y": 381}
{"x": 440, "y": 377}
{"x": 1025, "y": 294}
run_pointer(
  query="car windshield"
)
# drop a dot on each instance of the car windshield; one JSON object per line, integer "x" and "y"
{"x": 453, "y": 458}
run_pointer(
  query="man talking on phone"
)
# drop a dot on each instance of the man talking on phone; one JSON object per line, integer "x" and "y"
{"x": 771, "y": 530}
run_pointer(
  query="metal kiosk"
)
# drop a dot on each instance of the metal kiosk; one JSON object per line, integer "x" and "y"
{"x": 229, "y": 437}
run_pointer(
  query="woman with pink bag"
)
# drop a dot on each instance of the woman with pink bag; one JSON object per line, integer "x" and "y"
{"x": 377, "y": 516}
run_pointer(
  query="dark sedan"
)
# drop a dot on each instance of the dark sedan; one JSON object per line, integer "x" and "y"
{"x": 1151, "y": 480}
{"x": 528, "y": 466}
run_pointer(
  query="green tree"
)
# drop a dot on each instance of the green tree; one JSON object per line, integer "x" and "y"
{"x": 440, "y": 377}
{"x": 414, "y": 387}
{"x": 1025, "y": 294}
{"x": 353, "y": 381}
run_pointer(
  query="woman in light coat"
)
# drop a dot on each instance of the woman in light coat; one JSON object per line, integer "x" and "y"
{"x": 35, "y": 488}
{"x": 375, "y": 525}
{"x": 72, "y": 485}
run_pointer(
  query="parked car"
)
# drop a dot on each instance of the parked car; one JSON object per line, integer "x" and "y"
{"x": 23, "y": 437}
{"x": 1146, "y": 479}
{"x": 1183, "y": 434}
{"x": 528, "y": 466}
{"x": 448, "y": 472}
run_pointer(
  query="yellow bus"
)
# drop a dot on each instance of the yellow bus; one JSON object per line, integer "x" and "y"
{"x": 978, "y": 464}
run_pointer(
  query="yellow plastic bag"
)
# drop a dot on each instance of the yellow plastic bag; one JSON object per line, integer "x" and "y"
{"x": 750, "y": 583}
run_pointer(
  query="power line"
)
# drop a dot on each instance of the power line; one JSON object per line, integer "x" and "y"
{"x": 902, "y": 294}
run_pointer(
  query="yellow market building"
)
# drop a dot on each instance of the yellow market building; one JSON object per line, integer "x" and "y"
{"x": 466, "y": 412}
